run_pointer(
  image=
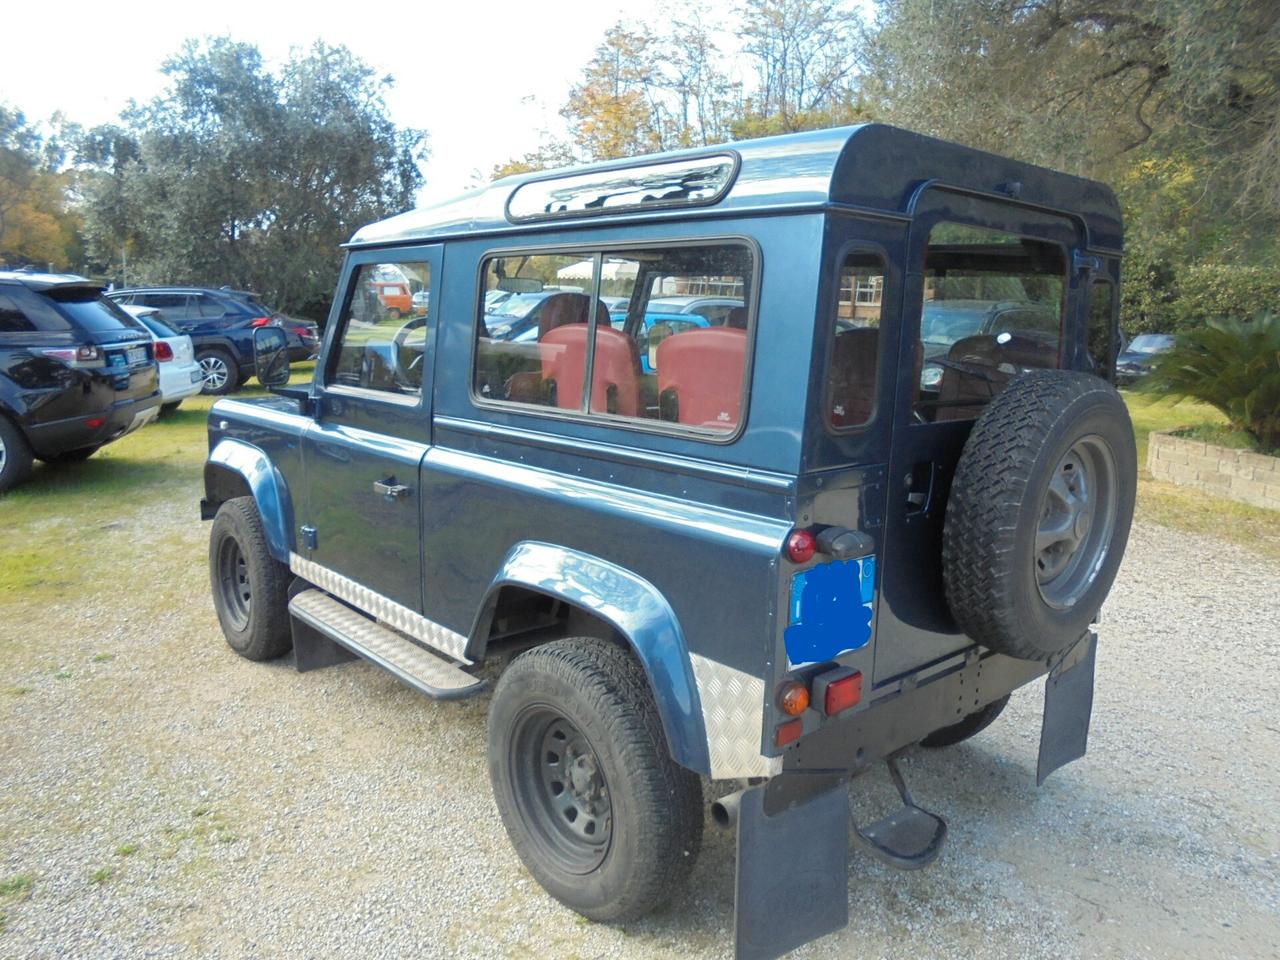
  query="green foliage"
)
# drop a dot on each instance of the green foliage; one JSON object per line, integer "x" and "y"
{"x": 38, "y": 224}
{"x": 239, "y": 176}
{"x": 1159, "y": 297}
{"x": 1232, "y": 365}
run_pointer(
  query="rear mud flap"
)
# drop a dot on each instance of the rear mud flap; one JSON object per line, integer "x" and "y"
{"x": 793, "y": 872}
{"x": 1068, "y": 705}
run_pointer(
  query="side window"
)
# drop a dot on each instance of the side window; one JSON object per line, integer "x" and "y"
{"x": 855, "y": 346}
{"x": 12, "y": 319}
{"x": 993, "y": 306}
{"x": 1102, "y": 328}
{"x": 175, "y": 303}
{"x": 206, "y": 307}
{"x": 550, "y": 344}
{"x": 531, "y": 343}
{"x": 382, "y": 344}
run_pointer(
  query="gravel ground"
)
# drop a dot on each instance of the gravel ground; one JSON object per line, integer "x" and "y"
{"x": 164, "y": 798}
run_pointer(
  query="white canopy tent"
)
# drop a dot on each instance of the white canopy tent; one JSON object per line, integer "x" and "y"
{"x": 612, "y": 270}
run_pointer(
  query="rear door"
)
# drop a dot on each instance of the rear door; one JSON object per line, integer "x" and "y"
{"x": 983, "y": 259}
{"x": 372, "y": 429}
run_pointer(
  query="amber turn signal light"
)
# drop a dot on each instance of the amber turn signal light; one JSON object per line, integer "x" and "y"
{"x": 793, "y": 698}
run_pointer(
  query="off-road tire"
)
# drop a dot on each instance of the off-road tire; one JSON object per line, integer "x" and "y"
{"x": 1000, "y": 493}
{"x": 656, "y": 812}
{"x": 232, "y": 369}
{"x": 258, "y": 629}
{"x": 970, "y": 726}
{"x": 15, "y": 456}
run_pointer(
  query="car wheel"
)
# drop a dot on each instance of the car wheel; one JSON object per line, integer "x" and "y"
{"x": 15, "y": 456}
{"x": 250, "y": 587}
{"x": 594, "y": 805}
{"x": 219, "y": 371}
{"x": 169, "y": 409}
{"x": 970, "y": 726}
{"x": 73, "y": 456}
{"x": 1039, "y": 513}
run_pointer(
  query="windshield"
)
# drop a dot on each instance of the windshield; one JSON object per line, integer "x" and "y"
{"x": 519, "y": 306}
{"x": 1151, "y": 343}
{"x": 947, "y": 325}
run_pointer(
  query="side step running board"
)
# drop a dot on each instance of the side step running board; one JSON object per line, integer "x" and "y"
{"x": 910, "y": 837}
{"x": 358, "y": 634}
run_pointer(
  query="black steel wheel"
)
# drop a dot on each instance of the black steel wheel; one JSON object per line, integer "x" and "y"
{"x": 594, "y": 805}
{"x": 250, "y": 587}
{"x": 560, "y": 784}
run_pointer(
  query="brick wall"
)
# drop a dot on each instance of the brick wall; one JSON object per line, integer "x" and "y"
{"x": 1234, "y": 474}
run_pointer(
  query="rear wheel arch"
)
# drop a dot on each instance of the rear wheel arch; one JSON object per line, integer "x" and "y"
{"x": 636, "y": 617}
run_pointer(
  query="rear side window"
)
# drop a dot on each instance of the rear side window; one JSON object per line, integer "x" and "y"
{"x": 993, "y": 305}
{"x": 164, "y": 301}
{"x": 1102, "y": 328}
{"x": 852, "y": 371}
{"x": 12, "y": 319}
{"x": 158, "y": 326}
{"x": 555, "y": 343}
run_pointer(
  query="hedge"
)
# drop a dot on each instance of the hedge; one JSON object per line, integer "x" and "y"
{"x": 1157, "y": 297}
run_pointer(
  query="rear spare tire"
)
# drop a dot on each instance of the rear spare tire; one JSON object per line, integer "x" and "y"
{"x": 1039, "y": 513}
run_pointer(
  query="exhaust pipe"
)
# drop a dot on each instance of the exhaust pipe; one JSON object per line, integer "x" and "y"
{"x": 725, "y": 810}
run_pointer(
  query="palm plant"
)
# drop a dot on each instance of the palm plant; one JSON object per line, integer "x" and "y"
{"x": 1233, "y": 365}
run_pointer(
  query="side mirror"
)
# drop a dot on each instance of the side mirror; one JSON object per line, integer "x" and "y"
{"x": 271, "y": 356}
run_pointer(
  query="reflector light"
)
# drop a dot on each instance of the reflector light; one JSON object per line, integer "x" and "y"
{"x": 259, "y": 321}
{"x": 842, "y": 694}
{"x": 95, "y": 423}
{"x": 794, "y": 698}
{"x": 163, "y": 351}
{"x": 801, "y": 546}
{"x": 789, "y": 732}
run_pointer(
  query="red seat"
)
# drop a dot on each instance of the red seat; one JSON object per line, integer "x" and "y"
{"x": 615, "y": 384}
{"x": 703, "y": 371}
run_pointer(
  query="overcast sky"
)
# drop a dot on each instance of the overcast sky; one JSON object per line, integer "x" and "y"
{"x": 484, "y": 79}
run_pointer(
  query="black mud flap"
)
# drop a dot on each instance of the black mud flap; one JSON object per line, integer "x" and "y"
{"x": 312, "y": 650}
{"x": 793, "y": 873}
{"x": 1068, "y": 705}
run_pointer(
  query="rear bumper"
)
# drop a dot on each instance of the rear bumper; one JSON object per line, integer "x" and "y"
{"x": 177, "y": 383}
{"x": 120, "y": 418}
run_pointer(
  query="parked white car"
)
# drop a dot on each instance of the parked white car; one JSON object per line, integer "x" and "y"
{"x": 180, "y": 375}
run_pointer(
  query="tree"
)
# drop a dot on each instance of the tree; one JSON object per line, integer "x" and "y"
{"x": 37, "y": 225}
{"x": 805, "y": 63}
{"x": 241, "y": 177}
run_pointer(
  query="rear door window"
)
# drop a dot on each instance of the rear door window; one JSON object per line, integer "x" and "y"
{"x": 993, "y": 308}
{"x": 12, "y": 319}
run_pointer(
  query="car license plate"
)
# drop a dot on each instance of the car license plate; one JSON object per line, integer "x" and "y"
{"x": 196, "y": 376}
{"x": 136, "y": 355}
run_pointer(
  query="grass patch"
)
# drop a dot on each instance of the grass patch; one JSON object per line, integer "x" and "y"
{"x": 63, "y": 674}
{"x": 19, "y": 885}
{"x": 1219, "y": 435}
{"x": 102, "y": 875}
{"x": 103, "y": 657}
{"x": 127, "y": 849}
{"x": 1153, "y": 414}
{"x": 20, "y": 691}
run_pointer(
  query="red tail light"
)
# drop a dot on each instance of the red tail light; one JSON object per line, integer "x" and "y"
{"x": 801, "y": 546}
{"x": 163, "y": 351}
{"x": 302, "y": 331}
{"x": 788, "y": 732}
{"x": 95, "y": 423}
{"x": 838, "y": 689}
{"x": 259, "y": 321}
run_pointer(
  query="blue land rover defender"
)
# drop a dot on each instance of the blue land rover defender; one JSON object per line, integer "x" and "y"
{"x": 890, "y": 483}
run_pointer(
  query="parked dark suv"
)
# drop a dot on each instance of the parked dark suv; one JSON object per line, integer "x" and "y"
{"x": 221, "y": 324}
{"x": 76, "y": 372}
